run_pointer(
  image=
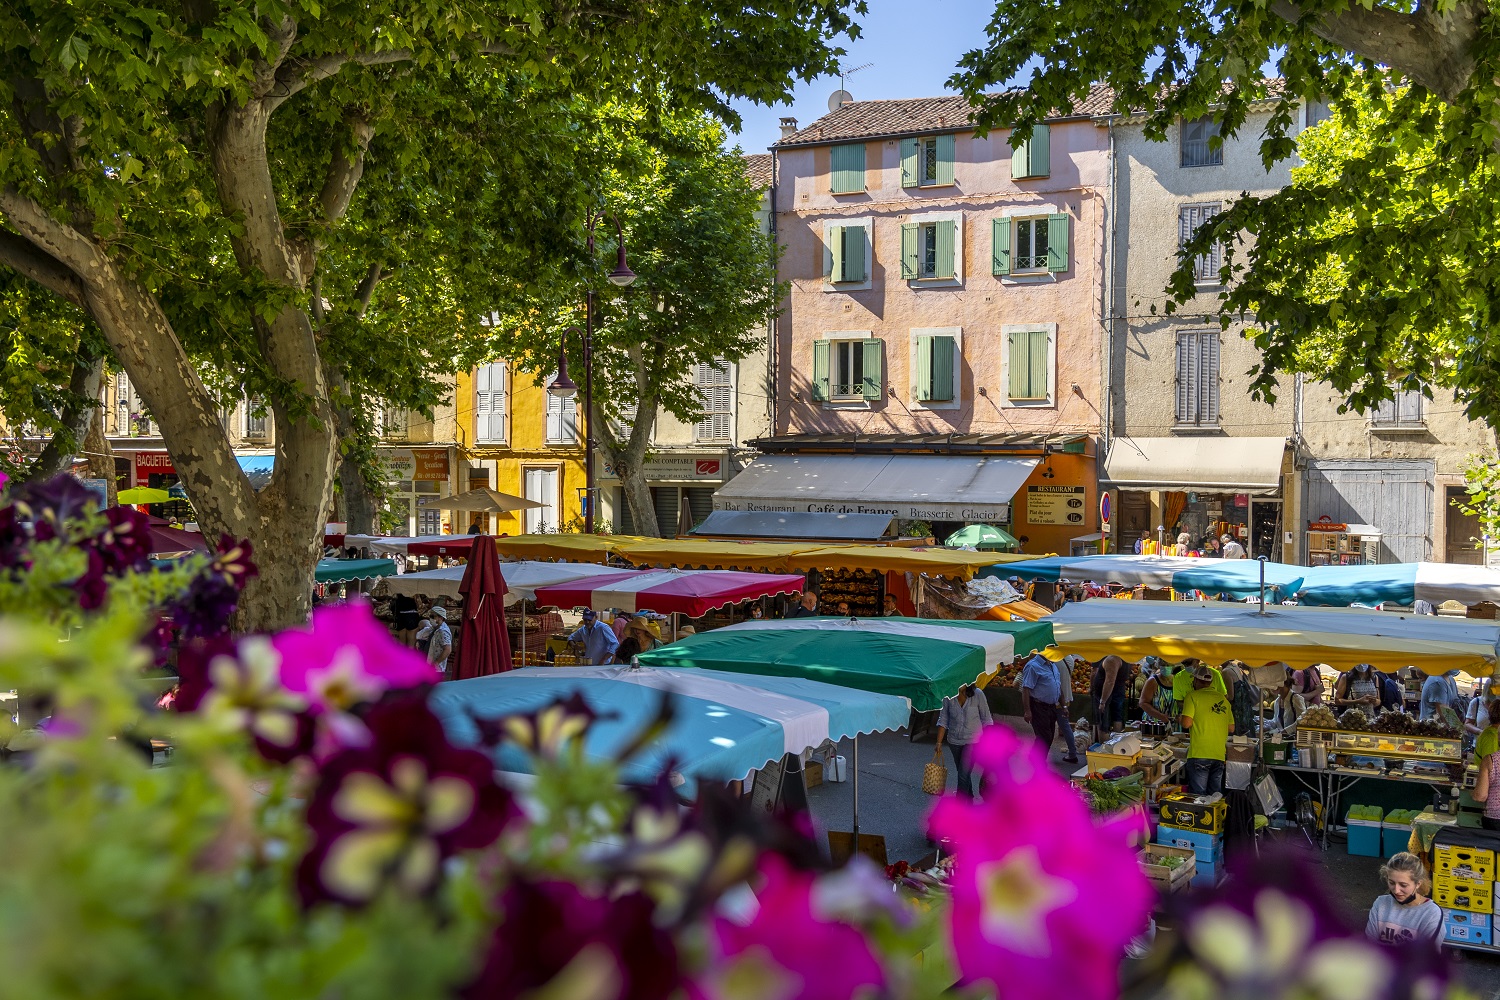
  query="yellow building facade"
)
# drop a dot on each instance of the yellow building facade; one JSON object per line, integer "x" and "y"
{"x": 520, "y": 440}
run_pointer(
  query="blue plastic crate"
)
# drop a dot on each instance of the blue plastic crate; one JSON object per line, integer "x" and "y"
{"x": 1205, "y": 846}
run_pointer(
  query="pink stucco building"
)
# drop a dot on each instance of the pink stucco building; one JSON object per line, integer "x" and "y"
{"x": 945, "y": 301}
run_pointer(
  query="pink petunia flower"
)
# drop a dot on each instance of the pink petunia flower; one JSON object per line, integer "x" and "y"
{"x": 347, "y": 658}
{"x": 788, "y": 951}
{"x": 1033, "y": 875}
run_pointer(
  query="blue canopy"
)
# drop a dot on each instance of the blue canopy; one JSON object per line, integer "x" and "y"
{"x": 726, "y": 724}
{"x": 1239, "y": 577}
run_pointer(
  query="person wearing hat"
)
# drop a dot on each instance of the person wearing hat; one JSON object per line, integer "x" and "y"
{"x": 639, "y": 638}
{"x": 599, "y": 642}
{"x": 435, "y": 638}
{"x": 1041, "y": 695}
{"x": 1209, "y": 719}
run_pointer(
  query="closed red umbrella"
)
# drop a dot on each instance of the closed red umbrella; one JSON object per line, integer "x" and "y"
{"x": 483, "y": 645}
{"x": 170, "y": 541}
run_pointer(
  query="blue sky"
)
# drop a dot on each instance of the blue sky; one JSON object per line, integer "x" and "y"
{"x": 914, "y": 49}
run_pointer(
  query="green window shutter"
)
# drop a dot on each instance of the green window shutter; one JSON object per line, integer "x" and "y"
{"x": 940, "y": 364}
{"x": 848, "y": 168}
{"x": 1020, "y": 158}
{"x": 1020, "y": 365}
{"x": 1057, "y": 242}
{"x": 853, "y": 240}
{"x": 909, "y": 243}
{"x": 909, "y": 176}
{"x": 1000, "y": 250}
{"x": 947, "y": 235}
{"x": 1037, "y": 356}
{"x": 944, "y": 160}
{"x": 874, "y": 377}
{"x": 820, "y": 378}
{"x": 924, "y": 369}
{"x": 1039, "y": 149}
{"x": 836, "y": 251}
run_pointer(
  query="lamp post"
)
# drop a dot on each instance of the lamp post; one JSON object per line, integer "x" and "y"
{"x": 563, "y": 387}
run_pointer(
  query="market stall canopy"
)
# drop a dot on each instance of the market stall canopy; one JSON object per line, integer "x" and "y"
{"x": 934, "y": 561}
{"x": 412, "y": 545}
{"x": 981, "y": 537}
{"x": 337, "y": 570}
{"x": 443, "y": 545}
{"x": 684, "y": 591}
{"x": 482, "y": 500}
{"x": 1400, "y": 583}
{"x": 167, "y": 541}
{"x": 911, "y": 487}
{"x": 1215, "y": 631}
{"x": 923, "y": 660}
{"x": 1240, "y": 577}
{"x": 725, "y": 725}
{"x": 521, "y": 579}
{"x": 803, "y": 525}
{"x": 712, "y": 553}
{"x": 142, "y": 494}
{"x": 566, "y": 547}
{"x": 1212, "y": 464}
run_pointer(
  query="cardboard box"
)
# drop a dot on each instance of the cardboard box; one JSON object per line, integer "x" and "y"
{"x": 1452, "y": 893}
{"x": 1239, "y": 754}
{"x": 1470, "y": 928}
{"x": 1473, "y": 863}
{"x": 1185, "y": 811}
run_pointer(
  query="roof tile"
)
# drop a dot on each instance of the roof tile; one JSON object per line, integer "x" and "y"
{"x": 758, "y": 169}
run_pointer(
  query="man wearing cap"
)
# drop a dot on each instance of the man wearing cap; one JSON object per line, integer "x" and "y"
{"x": 1209, "y": 719}
{"x": 1041, "y": 695}
{"x": 599, "y": 642}
{"x": 435, "y": 637}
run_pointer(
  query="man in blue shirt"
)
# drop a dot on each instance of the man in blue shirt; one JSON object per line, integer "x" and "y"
{"x": 599, "y": 642}
{"x": 1438, "y": 692}
{"x": 1041, "y": 695}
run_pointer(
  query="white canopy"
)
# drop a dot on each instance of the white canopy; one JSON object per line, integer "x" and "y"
{"x": 391, "y": 545}
{"x": 521, "y": 579}
{"x": 1208, "y": 464}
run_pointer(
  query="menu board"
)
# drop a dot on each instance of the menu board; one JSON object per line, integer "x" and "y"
{"x": 1055, "y": 505}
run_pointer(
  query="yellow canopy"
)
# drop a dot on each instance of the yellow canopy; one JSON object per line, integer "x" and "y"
{"x": 713, "y": 553}
{"x": 574, "y": 548}
{"x": 899, "y": 559}
{"x": 1215, "y": 644}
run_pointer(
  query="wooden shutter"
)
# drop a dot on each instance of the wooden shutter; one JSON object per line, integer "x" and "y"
{"x": 1033, "y": 158}
{"x": 1189, "y": 219}
{"x": 848, "y": 168}
{"x": 945, "y": 156}
{"x": 489, "y": 402}
{"x": 715, "y": 386}
{"x": 1187, "y": 382}
{"x": 1208, "y": 353}
{"x": 1197, "y": 377}
{"x": 1037, "y": 359}
{"x": 924, "y": 368}
{"x": 910, "y": 177}
{"x": 1057, "y": 242}
{"x": 946, "y": 234}
{"x": 835, "y": 256}
{"x": 940, "y": 369}
{"x": 852, "y": 239}
{"x": 1019, "y": 359}
{"x": 874, "y": 382}
{"x": 910, "y": 245}
{"x": 820, "y": 379}
{"x": 1000, "y": 247}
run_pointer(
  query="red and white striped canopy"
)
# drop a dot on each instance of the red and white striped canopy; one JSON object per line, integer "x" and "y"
{"x": 690, "y": 592}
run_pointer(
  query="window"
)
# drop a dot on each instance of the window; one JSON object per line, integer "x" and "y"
{"x": 927, "y": 162}
{"x": 1198, "y": 378}
{"x": 562, "y": 418}
{"x": 1029, "y": 375}
{"x": 929, "y": 249}
{"x": 716, "y": 386}
{"x": 845, "y": 260}
{"x": 1023, "y": 246}
{"x": 937, "y": 355}
{"x": 847, "y": 370}
{"x": 1033, "y": 158}
{"x": 1189, "y": 218}
{"x": 1200, "y": 143}
{"x": 1402, "y": 413}
{"x": 1314, "y": 112}
{"x": 255, "y": 419}
{"x": 848, "y": 169}
{"x": 541, "y": 485}
{"x": 489, "y": 403}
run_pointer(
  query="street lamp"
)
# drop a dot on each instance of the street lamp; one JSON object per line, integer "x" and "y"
{"x": 563, "y": 387}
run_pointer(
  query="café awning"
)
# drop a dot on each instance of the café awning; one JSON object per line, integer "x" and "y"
{"x": 1211, "y": 464}
{"x": 788, "y": 525}
{"x": 911, "y": 487}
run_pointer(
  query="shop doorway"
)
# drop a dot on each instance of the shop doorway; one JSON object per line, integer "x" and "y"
{"x": 1463, "y": 538}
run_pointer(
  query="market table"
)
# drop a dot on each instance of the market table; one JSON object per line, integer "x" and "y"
{"x": 1330, "y": 784}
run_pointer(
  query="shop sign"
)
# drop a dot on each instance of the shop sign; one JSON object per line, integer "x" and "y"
{"x": 991, "y": 513}
{"x": 1055, "y": 504}
{"x": 1326, "y": 523}
{"x": 679, "y": 467}
{"x": 421, "y": 464}
{"x": 153, "y": 462}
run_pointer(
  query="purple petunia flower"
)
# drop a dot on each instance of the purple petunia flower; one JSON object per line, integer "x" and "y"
{"x": 125, "y": 544}
{"x": 347, "y": 658}
{"x": 91, "y": 587}
{"x": 388, "y": 814}
{"x": 553, "y": 933}
{"x": 15, "y": 541}
{"x": 51, "y": 504}
{"x": 205, "y": 608}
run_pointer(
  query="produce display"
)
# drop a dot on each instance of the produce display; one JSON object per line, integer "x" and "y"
{"x": 1319, "y": 717}
{"x": 1401, "y": 724}
{"x": 1355, "y": 719}
{"x": 1114, "y": 790}
{"x": 863, "y": 590}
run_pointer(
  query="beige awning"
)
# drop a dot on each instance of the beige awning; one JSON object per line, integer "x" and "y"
{"x": 1210, "y": 464}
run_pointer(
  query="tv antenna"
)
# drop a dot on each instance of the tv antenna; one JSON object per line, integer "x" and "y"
{"x": 841, "y": 97}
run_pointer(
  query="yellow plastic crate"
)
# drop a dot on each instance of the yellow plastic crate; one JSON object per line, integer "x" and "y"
{"x": 1471, "y": 863}
{"x": 1455, "y": 893}
{"x": 1101, "y": 762}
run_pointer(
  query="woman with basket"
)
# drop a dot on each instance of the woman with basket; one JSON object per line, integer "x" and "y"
{"x": 961, "y": 719}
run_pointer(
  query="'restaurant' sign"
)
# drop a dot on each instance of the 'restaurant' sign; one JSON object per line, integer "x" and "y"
{"x": 1055, "y": 504}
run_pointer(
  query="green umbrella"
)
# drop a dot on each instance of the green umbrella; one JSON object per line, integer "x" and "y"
{"x": 338, "y": 570}
{"x": 923, "y": 660}
{"x": 984, "y": 537}
{"x": 142, "y": 494}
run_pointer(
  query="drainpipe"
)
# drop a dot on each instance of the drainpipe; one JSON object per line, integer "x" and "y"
{"x": 1108, "y": 312}
{"x": 771, "y": 339}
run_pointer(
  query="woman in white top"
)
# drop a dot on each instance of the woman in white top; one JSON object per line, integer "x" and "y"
{"x": 1286, "y": 710}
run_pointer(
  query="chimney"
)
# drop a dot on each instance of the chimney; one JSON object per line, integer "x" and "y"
{"x": 788, "y": 126}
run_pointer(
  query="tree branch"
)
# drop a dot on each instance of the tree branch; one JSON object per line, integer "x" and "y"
{"x": 366, "y": 290}
{"x": 296, "y": 75}
{"x": 1432, "y": 48}
{"x": 344, "y": 172}
{"x": 64, "y": 244}
{"x": 23, "y": 257}
{"x": 88, "y": 373}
